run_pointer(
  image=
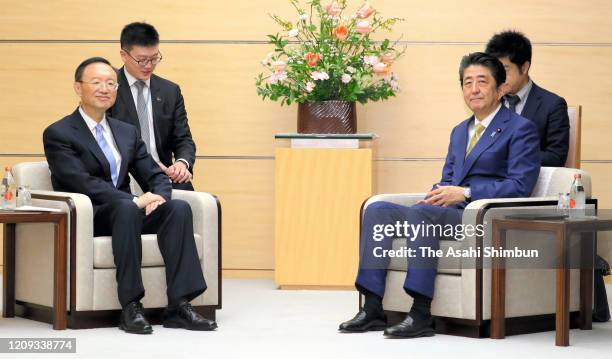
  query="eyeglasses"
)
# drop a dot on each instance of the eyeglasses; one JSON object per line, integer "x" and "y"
{"x": 142, "y": 63}
{"x": 98, "y": 84}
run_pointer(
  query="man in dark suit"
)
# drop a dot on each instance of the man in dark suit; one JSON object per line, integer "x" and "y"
{"x": 154, "y": 105}
{"x": 91, "y": 153}
{"x": 547, "y": 110}
{"x": 493, "y": 154}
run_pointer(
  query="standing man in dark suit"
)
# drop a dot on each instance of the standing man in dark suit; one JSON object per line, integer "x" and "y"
{"x": 547, "y": 110}
{"x": 91, "y": 153}
{"x": 493, "y": 154}
{"x": 154, "y": 105}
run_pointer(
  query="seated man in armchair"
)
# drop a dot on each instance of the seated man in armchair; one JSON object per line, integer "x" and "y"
{"x": 493, "y": 154}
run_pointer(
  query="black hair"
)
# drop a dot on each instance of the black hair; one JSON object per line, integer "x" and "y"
{"x": 78, "y": 73}
{"x": 480, "y": 58}
{"x": 511, "y": 44}
{"x": 138, "y": 34}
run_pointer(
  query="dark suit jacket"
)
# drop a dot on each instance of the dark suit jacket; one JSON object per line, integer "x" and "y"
{"x": 78, "y": 164}
{"x": 504, "y": 162}
{"x": 172, "y": 134}
{"x": 549, "y": 112}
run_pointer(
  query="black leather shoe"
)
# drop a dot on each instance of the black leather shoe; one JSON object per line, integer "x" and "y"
{"x": 133, "y": 320}
{"x": 362, "y": 322}
{"x": 411, "y": 328}
{"x": 184, "y": 316}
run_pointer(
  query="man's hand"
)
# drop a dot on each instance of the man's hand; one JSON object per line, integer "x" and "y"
{"x": 444, "y": 196}
{"x": 178, "y": 172}
{"x": 149, "y": 201}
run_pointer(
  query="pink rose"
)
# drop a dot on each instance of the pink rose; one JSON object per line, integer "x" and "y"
{"x": 363, "y": 27}
{"x": 388, "y": 57}
{"x": 365, "y": 11}
{"x": 333, "y": 9}
{"x": 381, "y": 68}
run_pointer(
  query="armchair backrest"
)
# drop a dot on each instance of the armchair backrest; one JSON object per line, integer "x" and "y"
{"x": 575, "y": 122}
{"x": 553, "y": 180}
{"x": 34, "y": 174}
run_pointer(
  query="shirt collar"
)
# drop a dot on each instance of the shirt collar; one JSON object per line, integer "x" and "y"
{"x": 90, "y": 122}
{"x": 131, "y": 79}
{"x": 487, "y": 120}
{"x": 522, "y": 93}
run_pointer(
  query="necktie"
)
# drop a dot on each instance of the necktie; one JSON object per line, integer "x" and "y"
{"x": 479, "y": 130}
{"x": 105, "y": 147}
{"x": 143, "y": 115}
{"x": 513, "y": 100}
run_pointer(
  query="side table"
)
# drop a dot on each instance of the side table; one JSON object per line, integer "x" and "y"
{"x": 563, "y": 229}
{"x": 10, "y": 219}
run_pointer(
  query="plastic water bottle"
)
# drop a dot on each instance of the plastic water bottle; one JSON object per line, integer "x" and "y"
{"x": 577, "y": 198}
{"x": 7, "y": 190}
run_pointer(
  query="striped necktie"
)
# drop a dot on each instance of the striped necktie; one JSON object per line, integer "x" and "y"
{"x": 108, "y": 153}
{"x": 143, "y": 115}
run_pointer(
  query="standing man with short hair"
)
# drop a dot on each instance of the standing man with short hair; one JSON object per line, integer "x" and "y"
{"x": 547, "y": 110}
{"x": 154, "y": 105}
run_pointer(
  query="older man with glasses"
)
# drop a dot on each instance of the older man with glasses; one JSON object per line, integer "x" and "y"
{"x": 154, "y": 105}
{"x": 92, "y": 153}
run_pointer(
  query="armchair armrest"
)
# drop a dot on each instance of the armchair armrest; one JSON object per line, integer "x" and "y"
{"x": 206, "y": 210}
{"x": 80, "y": 241}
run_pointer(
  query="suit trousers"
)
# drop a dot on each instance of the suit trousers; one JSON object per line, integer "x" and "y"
{"x": 422, "y": 270}
{"x": 173, "y": 223}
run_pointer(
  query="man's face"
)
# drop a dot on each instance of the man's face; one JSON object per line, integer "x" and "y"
{"x": 516, "y": 77}
{"x": 144, "y": 54}
{"x": 480, "y": 91}
{"x": 96, "y": 88}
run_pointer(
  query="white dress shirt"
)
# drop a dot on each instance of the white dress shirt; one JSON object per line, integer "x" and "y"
{"x": 522, "y": 94}
{"x": 107, "y": 133}
{"x": 485, "y": 122}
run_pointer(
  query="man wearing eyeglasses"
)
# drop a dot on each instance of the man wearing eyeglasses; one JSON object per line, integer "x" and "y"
{"x": 91, "y": 153}
{"x": 154, "y": 105}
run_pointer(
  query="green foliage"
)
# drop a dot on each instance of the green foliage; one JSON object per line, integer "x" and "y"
{"x": 328, "y": 54}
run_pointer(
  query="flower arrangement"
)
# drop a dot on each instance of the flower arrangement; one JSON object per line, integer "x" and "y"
{"x": 328, "y": 54}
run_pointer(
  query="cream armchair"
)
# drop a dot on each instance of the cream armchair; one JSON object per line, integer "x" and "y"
{"x": 462, "y": 301}
{"x": 92, "y": 290}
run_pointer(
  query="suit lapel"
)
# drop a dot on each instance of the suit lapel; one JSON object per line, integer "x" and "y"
{"x": 534, "y": 100}
{"x": 82, "y": 132}
{"x": 157, "y": 104}
{"x": 462, "y": 141}
{"x": 490, "y": 135}
{"x": 125, "y": 95}
{"x": 121, "y": 146}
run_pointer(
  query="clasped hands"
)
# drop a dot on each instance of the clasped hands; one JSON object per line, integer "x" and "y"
{"x": 149, "y": 201}
{"x": 444, "y": 196}
{"x": 178, "y": 172}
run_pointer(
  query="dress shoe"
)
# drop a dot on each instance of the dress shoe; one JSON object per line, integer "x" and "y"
{"x": 133, "y": 320}
{"x": 411, "y": 328}
{"x": 363, "y": 322}
{"x": 184, "y": 316}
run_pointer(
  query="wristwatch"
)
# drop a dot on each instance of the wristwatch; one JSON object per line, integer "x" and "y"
{"x": 467, "y": 193}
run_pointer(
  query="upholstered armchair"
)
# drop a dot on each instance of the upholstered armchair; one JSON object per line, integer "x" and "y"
{"x": 92, "y": 291}
{"x": 462, "y": 301}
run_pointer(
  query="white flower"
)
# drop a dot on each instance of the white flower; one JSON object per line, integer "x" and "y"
{"x": 346, "y": 78}
{"x": 371, "y": 60}
{"x": 304, "y": 17}
{"x": 293, "y": 33}
{"x": 351, "y": 69}
{"x": 268, "y": 58}
{"x": 316, "y": 75}
{"x": 310, "y": 86}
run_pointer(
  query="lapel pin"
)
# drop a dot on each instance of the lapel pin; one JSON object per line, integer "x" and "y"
{"x": 158, "y": 99}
